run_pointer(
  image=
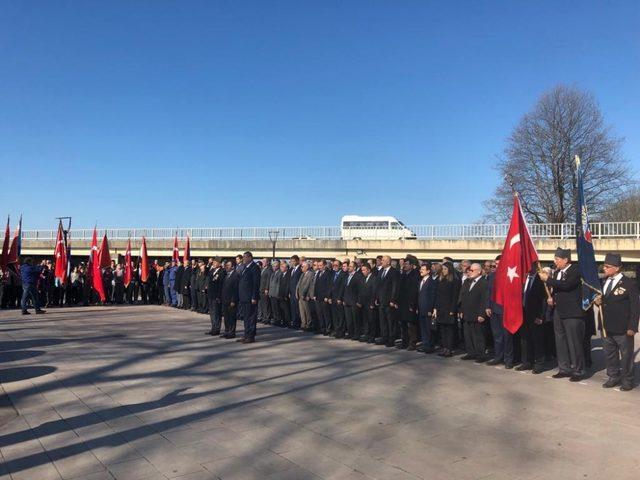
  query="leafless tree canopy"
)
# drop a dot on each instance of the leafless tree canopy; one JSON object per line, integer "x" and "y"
{"x": 539, "y": 160}
{"x": 625, "y": 208}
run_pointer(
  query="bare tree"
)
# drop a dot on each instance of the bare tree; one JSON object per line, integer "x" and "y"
{"x": 539, "y": 160}
{"x": 625, "y": 208}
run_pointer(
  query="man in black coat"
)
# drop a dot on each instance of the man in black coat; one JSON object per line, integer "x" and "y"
{"x": 177, "y": 284}
{"x": 322, "y": 294}
{"x": 186, "y": 286}
{"x": 229, "y": 300}
{"x": 296, "y": 273}
{"x": 531, "y": 332}
{"x": 620, "y": 311}
{"x": 473, "y": 300}
{"x": 568, "y": 322}
{"x": 352, "y": 310}
{"x": 193, "y": 284}
{"x": 386, "y": 301}
{"x": 366, "y": 301}
{"x": 284, "y": 302}
{"x": 248, "y": 296}
{"x": 215, "y": 281}
{"x": 337, "y": 294}
{"x": 408, "y": 303}
{"x": 427, "y": 290}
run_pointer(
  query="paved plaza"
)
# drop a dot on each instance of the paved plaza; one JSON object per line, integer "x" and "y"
{"x": 141, "y": 393}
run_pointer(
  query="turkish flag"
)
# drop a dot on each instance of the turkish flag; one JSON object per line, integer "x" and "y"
{"x": 128, "y": 268}
{"x": 104, "y": 255}
{"x": 176, "y": 251}
{"x": 517, "y": 258}
{"x": 16, "y": 245}
{"x": 187, "y": 251}
{"x": 96, "y": 271}
{"x": 5, "y": 247}
{"x": 60, "y": 255}
{"x": 144, "y": 261}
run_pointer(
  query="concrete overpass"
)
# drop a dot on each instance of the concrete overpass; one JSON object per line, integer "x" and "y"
{"x": 476, "y": 242}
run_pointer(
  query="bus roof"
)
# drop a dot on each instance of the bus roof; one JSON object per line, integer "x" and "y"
{"x": 361, "y": 218}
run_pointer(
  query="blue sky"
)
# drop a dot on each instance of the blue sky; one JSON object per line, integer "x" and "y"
{"x": 224, "y": 113}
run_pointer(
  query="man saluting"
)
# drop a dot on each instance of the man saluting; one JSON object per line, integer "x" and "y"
{"x": 620, "y": 310}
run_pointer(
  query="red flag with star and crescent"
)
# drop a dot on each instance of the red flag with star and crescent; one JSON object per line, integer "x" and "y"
{"x": 96, "y": 270}
{"x": 60, "y": 255}
{"x": 518, "y": 256}
{"x": 176, "y": 251}
{"x": 144, "y": 261}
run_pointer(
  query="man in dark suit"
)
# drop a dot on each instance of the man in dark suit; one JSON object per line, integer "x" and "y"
{"x": 427, "y": 289}
{"x": 352, "y": 287}
{"x": 366, "y": 302}
{"x": 296, "y": 273}
{"x": 568, "y": 322}
{"x": 284, "y": 301}
{"x": 532, "y": 330}
{"x": 620, "y": 305}
{"x": 337, "y": 297}
{"x": 264, "y": 312}
{"x": 248, "y": 296}
{"x": 386, "y": 301}
{"x": 215, "y": 280}
{"x": 473, "y": 300}
{"x": 408, "y": 303}
{"x": 322, "y": 293}
{"x": 229, "y": 300}
{"x": 502, "y": 338}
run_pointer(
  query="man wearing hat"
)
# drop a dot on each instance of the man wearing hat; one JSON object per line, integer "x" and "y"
{"x": 568, "y": 323}
{"x": 620, "y": 310}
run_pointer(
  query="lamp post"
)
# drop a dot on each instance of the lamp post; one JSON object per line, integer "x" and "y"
{"x": 273, "y": 236}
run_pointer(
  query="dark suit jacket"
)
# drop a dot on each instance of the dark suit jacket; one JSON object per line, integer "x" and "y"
{"x": 293, "y": 282}
{"x": 178, "y": 281}
{"x": 473, "y": 302}
{"x": 230, "y": 288}
{"x": 352, "y": 290}
{"x": 265, "y": 276}
{"x": 337, "y": 285}
{"x": 387, "y": 287}
{"x": 367, "y": 292}
{"x": 621, "y": 307}
{"x": 323, "y": 285}
{"x": 408, "y": 295}
{"x": 534, "y": 300}
{"x": 249, "y": 283}
{"x": 567, "y": 293}
{"x": 215, "y": 280}
{"x": 283, "y": 290}
{"x": 427, "y": 295}
{"x": 447, "y": 300}
{"x": 496, "y": 308}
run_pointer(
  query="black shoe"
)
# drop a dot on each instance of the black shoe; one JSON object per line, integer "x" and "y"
{"x": 626, "y": 388}
{"x": 523, "y": 367}
{"x": 561, "y": 375}
{"x": 612, "y": 382}
{"x": 468, "y": 357}
{"x": 389, "y": 345}
{"x": 508, "y": 366}
{"x": 39, "y": 312}
{"x": 378, "y": 341}
{"x": 248, "y": 340}
{"x": 229, "y": 336}
{"x": 26, "y": 313}
{"x": 481, "y": 360}
{"x": 494, "y": 362}
{"x": 210, "y": 332}
{"x": 371, "y": 340}
{"x": 576, "y": 378}
{"x": 428, "y": 350}
{"x": 536, "y": 370}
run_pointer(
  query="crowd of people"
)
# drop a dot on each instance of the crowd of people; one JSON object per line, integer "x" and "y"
{"x": 442, "y": 308}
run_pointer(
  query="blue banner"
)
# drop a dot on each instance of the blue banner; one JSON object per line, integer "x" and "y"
{"x": 584, "y": 247}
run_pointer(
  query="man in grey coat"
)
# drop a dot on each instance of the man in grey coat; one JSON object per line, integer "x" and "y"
{"x": 303, "y": 296}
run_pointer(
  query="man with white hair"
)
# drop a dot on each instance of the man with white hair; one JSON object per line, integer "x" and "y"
{"x": 473, "y": 299}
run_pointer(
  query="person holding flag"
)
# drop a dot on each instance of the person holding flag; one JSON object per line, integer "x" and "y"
{"x": 568, "y": 322}
{"x": 514, "y": 264}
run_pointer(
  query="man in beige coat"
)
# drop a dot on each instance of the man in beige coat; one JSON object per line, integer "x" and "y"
{"x": 302, "y": 294}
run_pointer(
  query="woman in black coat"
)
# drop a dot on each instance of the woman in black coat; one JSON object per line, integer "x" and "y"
{"x": 446, "y": 308}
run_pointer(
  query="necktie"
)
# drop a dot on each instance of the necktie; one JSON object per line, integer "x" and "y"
{"x": 609, "y": 287}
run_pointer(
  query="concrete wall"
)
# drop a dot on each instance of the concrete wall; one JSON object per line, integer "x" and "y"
{"x": 424, "y": 249}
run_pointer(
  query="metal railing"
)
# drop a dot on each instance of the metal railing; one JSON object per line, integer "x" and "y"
{"x": 435, "y": 232}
